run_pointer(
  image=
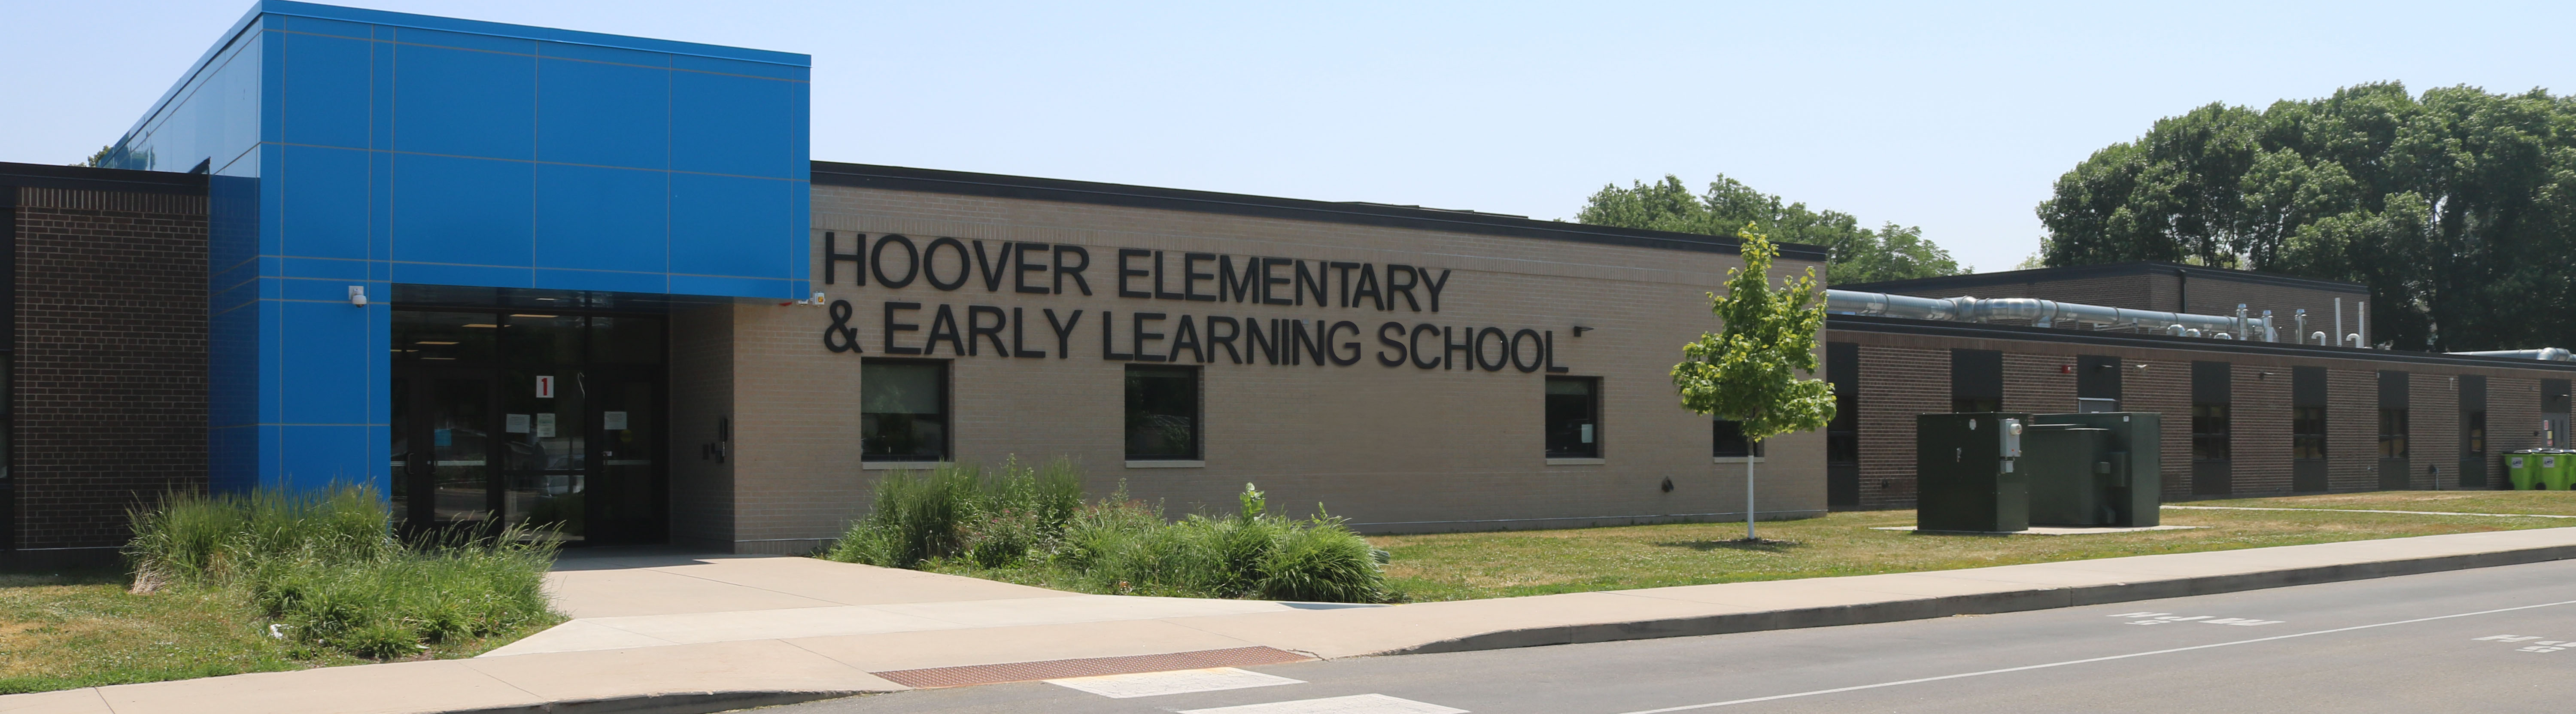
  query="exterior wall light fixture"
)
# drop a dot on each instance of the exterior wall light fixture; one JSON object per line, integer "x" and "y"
{"x": 358, "y": 295}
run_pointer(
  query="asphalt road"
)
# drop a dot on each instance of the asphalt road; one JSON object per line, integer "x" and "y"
{"x": 2484, "y": 640}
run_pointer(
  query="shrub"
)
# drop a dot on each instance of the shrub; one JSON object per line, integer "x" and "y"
{"x": 327, "y": 568}
{"x": 1034, "y": 520}
{"x": 918, "y": 517}
{"x": 1322, "y": 561}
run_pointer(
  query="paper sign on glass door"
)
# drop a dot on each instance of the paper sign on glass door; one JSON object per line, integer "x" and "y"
{"x": 545, "y": 386}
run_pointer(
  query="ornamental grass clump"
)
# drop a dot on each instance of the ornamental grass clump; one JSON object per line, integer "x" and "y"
{"x": 327, "y": 570}
{"x": 1030, "y": 525}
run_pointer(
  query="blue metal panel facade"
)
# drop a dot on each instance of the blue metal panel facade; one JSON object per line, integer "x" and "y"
{"x": 357, "y": 147}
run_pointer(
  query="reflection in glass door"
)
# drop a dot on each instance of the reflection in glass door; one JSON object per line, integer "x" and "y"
{"x": 441, "y": 449}
{"x": 547, "y": 421}
{"x": 545, "y": 474}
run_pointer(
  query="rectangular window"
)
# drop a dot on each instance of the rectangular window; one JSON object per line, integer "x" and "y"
{"x": 2393, "y": 407}
{"x": 2477, "y": 433}
{"x": 2211, "y": 433}
{"x": 1728, "y": 439}
{"x": 2213, "y": 390}
{"x": 1976, "y": 380}
{"x": 2392, "y": 433}
{"x": 1842, "y": 435}
{"x": 1162, "y": 413}
{"x": 2308, "y": 433}
{"x": 1573, "y": 417}
{"x": 903, "y": 410}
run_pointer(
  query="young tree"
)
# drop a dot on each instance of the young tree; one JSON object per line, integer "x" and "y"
{"x": 1747, "y": 372}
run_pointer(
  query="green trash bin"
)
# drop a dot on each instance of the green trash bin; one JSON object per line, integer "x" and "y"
{"x": 2522, "y": 468}
{"x": 2556, "y": 466}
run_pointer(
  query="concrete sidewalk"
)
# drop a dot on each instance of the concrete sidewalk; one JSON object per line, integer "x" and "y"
{"x": 663, "y": 633}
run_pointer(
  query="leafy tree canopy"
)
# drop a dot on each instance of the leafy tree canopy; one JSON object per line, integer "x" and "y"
{"x": 1856, "y": 254}
{"x": 1748, "y": 372}
{"x": 2457, "y": 208}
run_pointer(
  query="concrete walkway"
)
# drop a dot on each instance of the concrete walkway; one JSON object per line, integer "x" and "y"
{"x": 669, "y": 633}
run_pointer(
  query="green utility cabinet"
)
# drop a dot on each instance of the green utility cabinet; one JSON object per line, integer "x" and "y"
{"x": 2067, "y": 471}
{"x": 2522, "y": 468}
{"x": 1965, "y": 477}
{"x": 2116, "y": 482}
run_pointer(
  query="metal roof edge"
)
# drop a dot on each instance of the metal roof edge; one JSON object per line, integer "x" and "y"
{"x": 829, "y": 173}
{"x": 1893, "y": 325}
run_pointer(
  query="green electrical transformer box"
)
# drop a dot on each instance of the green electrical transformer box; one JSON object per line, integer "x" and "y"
{"x": 2101, "y": 469}
{"x": 1965, "y": 475}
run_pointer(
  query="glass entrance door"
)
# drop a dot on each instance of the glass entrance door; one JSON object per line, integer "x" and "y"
{"x": 442, "y": 448}
{"x": 547, "y": 421}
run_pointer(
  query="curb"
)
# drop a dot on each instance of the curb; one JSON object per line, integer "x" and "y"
{"x": 675, "y": 703}
{"x": 1981, "y": 603}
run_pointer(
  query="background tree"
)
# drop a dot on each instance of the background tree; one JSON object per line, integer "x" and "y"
{"x": 2456, "y": 208}
{"x": 1748, "y": 372}
{"x": 1855, "y": 254}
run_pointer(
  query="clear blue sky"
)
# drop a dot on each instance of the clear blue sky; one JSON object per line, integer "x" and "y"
{"x": 1952, "y": 118}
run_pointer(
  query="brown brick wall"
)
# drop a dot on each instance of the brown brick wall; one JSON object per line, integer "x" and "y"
{"x": 110, "y": 402}
{"x": 2038, "y": 383}
{"x": 1903, "y": 374}
{"x": 2263, "y": 418}
{"x": 1896, "y": 383}
{"x": 2434, "y": 431}
{"x": 2163, "y": 387}
{"x": 2352, "y": 430}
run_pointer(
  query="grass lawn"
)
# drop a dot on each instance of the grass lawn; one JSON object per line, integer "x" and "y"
{"x": 82, "y": 629}
{"x": 2556, "y": 503}
{"x": 1463, "y": 566}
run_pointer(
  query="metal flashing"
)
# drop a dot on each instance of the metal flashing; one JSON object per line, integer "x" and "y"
{"x": 1886, "y": 325}
{"x": 2146, "y": 267}
{"x": 899, "y": 178}
{"x": 85, "y": 178}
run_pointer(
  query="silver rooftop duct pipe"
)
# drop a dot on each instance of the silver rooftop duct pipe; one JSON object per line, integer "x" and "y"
{"x": 2551, "y": 354}
{"x": 2043, "y": 313}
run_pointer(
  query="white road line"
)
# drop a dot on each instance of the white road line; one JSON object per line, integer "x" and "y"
{"x": 1962, "y": 675}
{"x": 2357, "y": 510}
{"x": 1155, "y": 684}
{"x": 1355, "y": 704}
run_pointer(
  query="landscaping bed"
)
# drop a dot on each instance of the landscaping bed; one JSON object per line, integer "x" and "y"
{"x": 1031, "y": 525}
{"x": 229, "y": 585}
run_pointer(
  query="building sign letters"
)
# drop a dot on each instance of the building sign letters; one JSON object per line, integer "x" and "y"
{"x": 970, "y": 330}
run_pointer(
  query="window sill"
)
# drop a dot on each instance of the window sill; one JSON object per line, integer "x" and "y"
{"x": 908, "y": 465}
{"x": 1552, "y": 461}
{"x": 1167, "y": 464}
{"x": 1734, "y": 459}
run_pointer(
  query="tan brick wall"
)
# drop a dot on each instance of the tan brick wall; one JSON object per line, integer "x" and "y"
{"x": 1393, "y": 449}
{"x": 795, "y": 464}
